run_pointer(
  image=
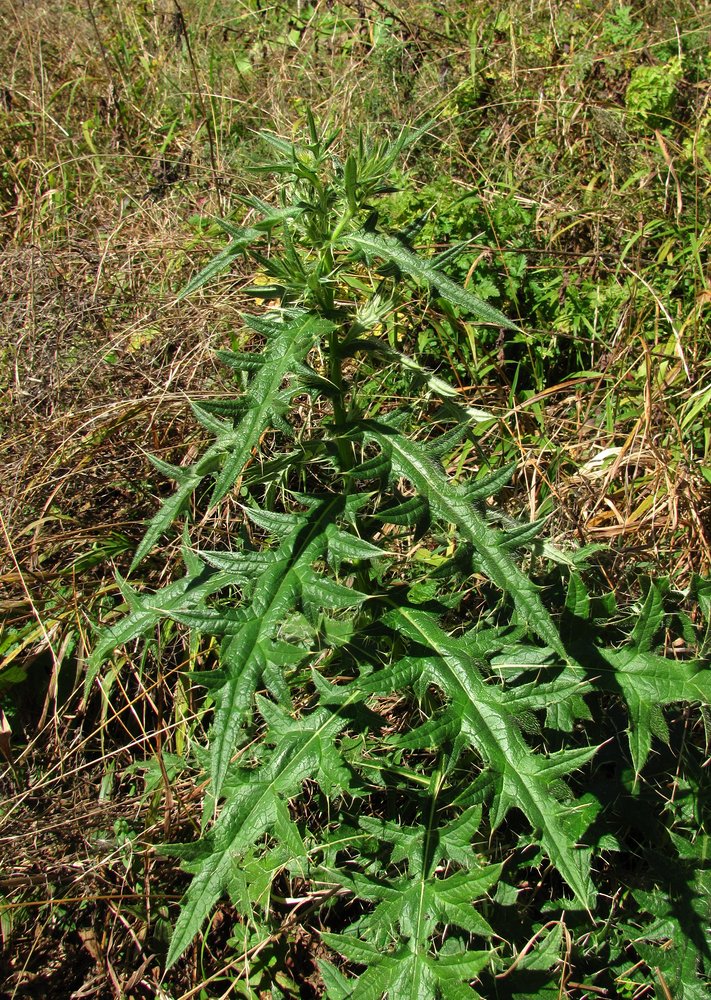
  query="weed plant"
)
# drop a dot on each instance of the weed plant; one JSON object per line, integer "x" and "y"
{"x": 571, "y": 156}
{"x": 453, "y": 774}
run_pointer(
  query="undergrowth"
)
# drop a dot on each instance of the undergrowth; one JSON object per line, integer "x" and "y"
{"x": 418, "y": 769}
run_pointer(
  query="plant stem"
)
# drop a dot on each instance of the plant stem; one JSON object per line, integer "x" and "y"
{"x": 335, "y": 374}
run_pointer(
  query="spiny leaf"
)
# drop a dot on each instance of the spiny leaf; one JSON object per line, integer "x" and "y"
{"x": 376, "y": 467}
{"x": 443, "y": 444}
{"x": 522, "y": 534}
{"x": 286, "y": 584}
{"x": 648, "y": 681}
{"x": 390, "y": 249}
{"x": 408, "y": 974}
{"x": 210, "y": 420}
{"x": 410, "y": 459}
{"x": 547, "y": 951}
{"x": 277, "y": 523}
{"x": 326, "y": 593}
{"x": 241, "y": 361}
{"x": 343, "y": 546}
{"x": 234, "y": 409}
{"x": 288, "y": 343}
{"x": 408, "y": 513}
{"x": 649, "y": 620}
{"x": 524, "y": 781}
{"x": 147, "y": 609}
{"x": 272, "y": 217}
{"x": 167, "y": 513}
{"x": 242, "y": 239}
{"x": 241, "y": 563}
{"x": 489, "y": 485}
{"x": 337, "y": 986}
{"x": 577, "y": 601}
{"x": 212, "y": 621}
{"x": 431, "y": 734}
{"x": 251, "y": 811}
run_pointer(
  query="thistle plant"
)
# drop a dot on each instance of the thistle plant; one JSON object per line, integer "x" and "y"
{"x": 446, "y": 723}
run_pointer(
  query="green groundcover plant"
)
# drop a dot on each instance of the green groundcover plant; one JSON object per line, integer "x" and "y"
{"x": 471, "y": 780}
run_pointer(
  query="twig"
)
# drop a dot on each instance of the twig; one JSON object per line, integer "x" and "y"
{"x": 182, "y": 29}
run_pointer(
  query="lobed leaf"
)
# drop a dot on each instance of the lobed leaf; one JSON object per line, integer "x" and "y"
{"x": 410, "y": 459}
{"x": 393, "y": 251}
{"x": 252, "y": 809}
{"x": 523, "y": 776}
{"x": 146, "y": 610}
{"x": 242, "y": 239}
{"x": 288, "y": 344}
